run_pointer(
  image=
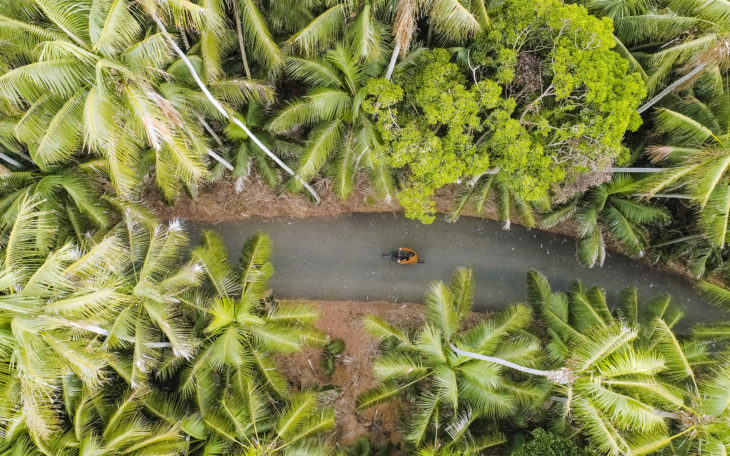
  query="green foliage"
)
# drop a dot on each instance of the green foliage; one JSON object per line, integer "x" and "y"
{"x": 363, "y": 446}
{"x": 562, "y": 116}
{"x": 69, "y": 198}
{"x": 51, "y": 304}
{"x": 491, "y": 188}
{"x": 546, "y": 443}
{"x": 696, "y": 140}
{"x": 437, "y": 142}
{"x": 97, "y": 87}
{"x": 610, "y": 209}
{"x": 96, "y": 336}
{"x": 646, "y": 368}
{"x": 572, "y": 93}
{"x": 452, "y": 393}
{"x": 340, "y": 134}
{"x": 330, "y": 355}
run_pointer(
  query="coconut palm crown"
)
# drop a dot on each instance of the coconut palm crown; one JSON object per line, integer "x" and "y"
{"x": 609, "y": 210}
{"x": 461, "y": 389}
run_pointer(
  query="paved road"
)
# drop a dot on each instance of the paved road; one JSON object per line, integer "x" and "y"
{"x": 341, "y": 259}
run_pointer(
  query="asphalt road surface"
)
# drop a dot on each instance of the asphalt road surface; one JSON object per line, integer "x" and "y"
{"x": 341, "y": 259}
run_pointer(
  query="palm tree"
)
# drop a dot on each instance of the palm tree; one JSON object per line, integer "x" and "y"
{"x": 666, "y": 383}
{"x": 454, "y": 19}
{"x": 610, "y": 381}
{"x": 105, "y": 421}
{"x": 696, "y": 149}
{"x": 688, "y": 37}
{"x": 461, "y": 390}
{"x": 507, "y": 201}
{"x": 699, "y": 386}
{"x": 241, "y": 401}
{"x": 101, "y": 72}
{"x": 248, "y": 424}
{"x": 156, "y": 284}
{"x": 332, "y": 112}
{"x": 153, "y": 10}
{"x": 705, "y": 49}
{"x": 609, "y": 209}
{"x": 52, "y": 303}
{"x": 240, "y": 331}
{"x": 71, "y": 202}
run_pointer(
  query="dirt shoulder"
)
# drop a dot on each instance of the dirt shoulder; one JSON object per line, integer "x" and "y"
{"x": 219, "y": 201}
{"x": 354, "y": 374}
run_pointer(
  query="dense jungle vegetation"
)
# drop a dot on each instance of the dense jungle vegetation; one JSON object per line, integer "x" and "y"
{"x": 117, "y": 339}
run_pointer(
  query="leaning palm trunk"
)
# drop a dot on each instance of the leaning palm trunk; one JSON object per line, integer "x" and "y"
{"x": 10, "y": 160}
{"x": 637, "y": 170}
{"x": 561, "y": 376}
{"x": 403, "y": 27}
{"x": 220, "y": 108}
{"x": 674, "y": 85}
{"x": 241, "y": 45}
{"x": 393, "y": 59}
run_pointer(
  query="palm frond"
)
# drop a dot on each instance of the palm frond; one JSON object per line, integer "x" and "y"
{"x": 427, "y": 405}
{"x": 364, "y": 35}
{"x": 264, "y": 46}
{"x": 462, "y": 291}
{"x": 440, "y": 309}
{"x": 598, "y": 344}
{"x": 379, "y": 328}
{"x": 377, "y": 395}
{"x": 321, "y": 144}
{"x": 397, "y": 366}
{"x": 670, "y": 348}
{"x": 315, "y": 72}
{"x": 454, "y": 20}
{"x": 714, "y": 294}
{"x": 112, "y": 26}
{"x": 320, "y": 31}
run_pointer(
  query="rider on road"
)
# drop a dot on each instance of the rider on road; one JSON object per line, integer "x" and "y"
{"x": 406, "y": 256}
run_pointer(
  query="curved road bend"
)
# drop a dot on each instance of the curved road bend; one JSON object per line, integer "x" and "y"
{"x": 341, "y": 259}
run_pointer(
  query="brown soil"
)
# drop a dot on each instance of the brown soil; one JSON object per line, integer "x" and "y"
{"x": 218, "y": 201}
{"x": 354, "y": 375}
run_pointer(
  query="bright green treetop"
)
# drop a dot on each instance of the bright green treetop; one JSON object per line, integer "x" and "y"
{"x": 434, "y": 136}
{"x": 539, "y": 98}
{"x": 573, "y": 93}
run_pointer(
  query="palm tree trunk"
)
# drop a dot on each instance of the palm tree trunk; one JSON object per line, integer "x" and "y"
{"x": 103, "y": 332}
{"x": 473, "y": 181}
{"x": 637, "y": 170}
{"x": 10, "y": 160}
{"x": 673, "y": 86}
{"x": 393, "y": 59}
{"x": 218, "y": 141}
{"x": 220, "y": 108}
{"x": 562, "y": 376}
{"x": 237, "y": 13}
{"x": 665, "y": 195}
